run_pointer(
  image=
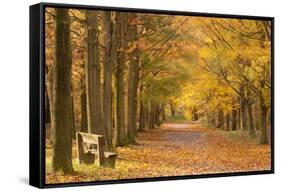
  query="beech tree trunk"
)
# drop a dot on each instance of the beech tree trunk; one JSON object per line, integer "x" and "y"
{"x": 144, "y": 117}
{"x": 227, "y": 118}
{"x": 252, "y": 131}
{"x": 142, "y": 112}
{"x": 173, "y": 111}
{"x": 234, "y": 120}
{"x": 110, "y": 57}
{"x": 93, "y": 84}
{"x": 133, "y": 81}
{"x": 50, "y": 88}
{"x": 220, "y": 119}
{"x": 84, "y": 126}
{"x": 263, "y": 122}
{"x": 73, "y": 131}
{"x": 83, "y": 102}
{"x": 121, "y": 35}
{"x": 163, "y": 113}
{"x": 47, "y": 108}
{"x": 62, "y": 151}
{"x": 151, "y": 117}
{"x": 243, "y": 110}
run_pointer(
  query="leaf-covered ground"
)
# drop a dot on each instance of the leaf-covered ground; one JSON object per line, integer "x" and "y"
{"x": 175, "y": 149}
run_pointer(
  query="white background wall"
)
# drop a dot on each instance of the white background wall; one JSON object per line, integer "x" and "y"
{"x": 14, "y": 75}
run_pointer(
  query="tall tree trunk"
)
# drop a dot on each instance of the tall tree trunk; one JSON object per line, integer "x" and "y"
{"x": 220, "y": 119}
{"x": 48, "y": 129}
{"x": 157, "y": 115}
{"x": 110, "y": 56}
{"x": 50, "y": 90}
{"x": 73, "y": 118}
{"x": 47, "y": 108}
{"x": 121, "y": 32}
{"x": 263, "y": 122}
{"x": 252, "y": 131}
{"x": 141, "y": 120}
{"x": 142, "y": 104}
{"x": 142, "y": 112}
{"x": 173, "y": 111}
{"x": 144, "y": 121}
{"x": 257, "y": 116}
{"x": 243, "y": 109}
{"x": 84, "y": 126}
{"x": 239, "y": 119}
{"x": 151, "y": 124}
{"x": 163, "y": 113}
{"x": 227, "y": 122}
{"x": 133, "y": 81}
{"x": 62, "y": 152}
{"x": 234, "y": 120}
{"x": 93, "y": 84}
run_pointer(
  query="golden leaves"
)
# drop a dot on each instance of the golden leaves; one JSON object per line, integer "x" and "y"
{"x": 174, "y": 150}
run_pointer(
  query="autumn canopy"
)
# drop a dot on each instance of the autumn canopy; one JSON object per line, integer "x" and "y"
{"x": 171, "y": 95}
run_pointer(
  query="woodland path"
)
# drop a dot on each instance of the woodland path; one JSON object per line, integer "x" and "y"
{"x": 181, "y": 149}
{"x": 175, "y": 150}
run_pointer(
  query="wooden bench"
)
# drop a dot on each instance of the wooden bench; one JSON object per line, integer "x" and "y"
{"x": 91, "y": 147}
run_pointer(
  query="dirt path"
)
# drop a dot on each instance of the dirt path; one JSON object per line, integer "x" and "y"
{"x": 174, "y": 150}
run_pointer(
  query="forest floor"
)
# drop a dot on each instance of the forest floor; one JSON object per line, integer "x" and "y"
{"x": 174, "y": 150}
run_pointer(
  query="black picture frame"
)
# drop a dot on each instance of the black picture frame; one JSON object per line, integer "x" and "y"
{"x": 37, "y": 97}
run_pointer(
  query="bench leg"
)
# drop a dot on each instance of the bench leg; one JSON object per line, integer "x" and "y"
{"x": 110, "y": 162}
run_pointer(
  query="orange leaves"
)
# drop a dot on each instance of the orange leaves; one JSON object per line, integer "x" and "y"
{"x": 174, "y": 150}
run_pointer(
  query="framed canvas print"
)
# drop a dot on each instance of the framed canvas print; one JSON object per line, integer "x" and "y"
{"x": 129, "y": 95}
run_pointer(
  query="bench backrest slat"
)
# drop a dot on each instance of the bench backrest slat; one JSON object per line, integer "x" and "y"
{"x": 90, "y": 138}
